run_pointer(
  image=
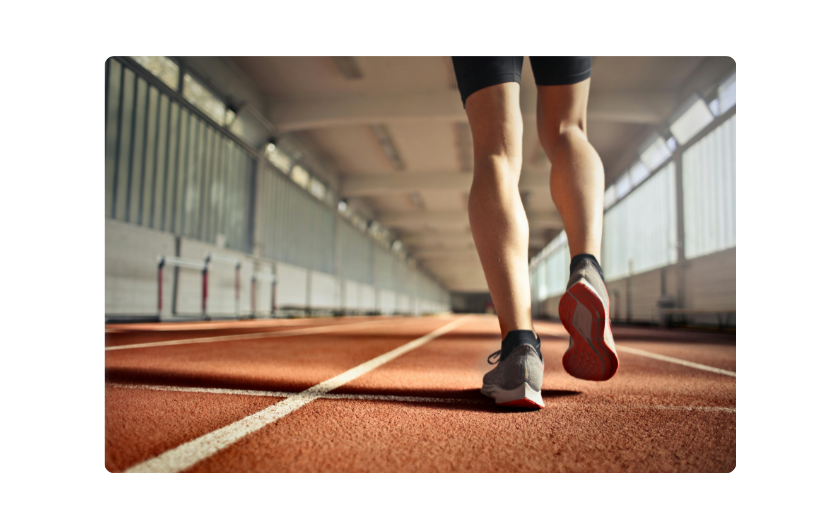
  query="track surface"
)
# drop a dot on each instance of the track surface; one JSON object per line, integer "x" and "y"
{"x": 420, "y": 411}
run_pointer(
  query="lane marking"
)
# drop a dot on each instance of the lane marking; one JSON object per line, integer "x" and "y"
{"x": 188, "y": 454}
{"x": 665, "y": 358}
{"x": 248, "y": 336}
{"x": 399, "y": 398}
{"x": 284, "y": 394}
{"x": 691, "y": 408}
{"x": 228, "y": 325}
{"x": 674, "y": 360}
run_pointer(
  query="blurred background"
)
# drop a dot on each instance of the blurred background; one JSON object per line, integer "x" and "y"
{"x": 240, "y": 187}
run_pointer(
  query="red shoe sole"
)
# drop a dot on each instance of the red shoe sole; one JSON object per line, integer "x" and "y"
{"x": 593, "y": 359}
{"x": 524, "y": 402}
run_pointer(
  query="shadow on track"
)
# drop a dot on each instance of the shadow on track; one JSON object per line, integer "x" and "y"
{"x": 459, "y": 399}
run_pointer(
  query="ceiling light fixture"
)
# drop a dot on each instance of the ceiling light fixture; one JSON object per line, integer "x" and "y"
{"x": 348, "y": 67}
{"x": 383, "y": 135}
{"x": 415, "y": 198}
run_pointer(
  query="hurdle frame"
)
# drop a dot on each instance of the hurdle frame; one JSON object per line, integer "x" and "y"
{"x": 212, "y": 257}
{"x": 175, "y": 261}
{"x": 263, "y": 276}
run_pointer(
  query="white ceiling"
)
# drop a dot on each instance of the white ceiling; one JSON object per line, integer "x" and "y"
{"x": 415, "y": 99}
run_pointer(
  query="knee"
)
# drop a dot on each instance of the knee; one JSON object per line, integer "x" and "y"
{"x": 561, "y": 137}
{"x": 502, "y": 162}
{"x": 499, "y": 148}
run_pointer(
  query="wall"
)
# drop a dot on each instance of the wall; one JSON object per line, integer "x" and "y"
{"x": 133, "y": 252}
{"x": 709, "y": 283}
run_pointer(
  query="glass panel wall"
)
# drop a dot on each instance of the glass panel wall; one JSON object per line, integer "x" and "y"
{"x": 640, "y": 231}
{"x": 709, "y": 183}
{"x": 167, "y": 169}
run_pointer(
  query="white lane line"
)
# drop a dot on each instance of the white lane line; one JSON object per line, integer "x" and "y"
{"x": 637, "y": 406}
{"x": 248, "y": 336}
{"x": 223, "y": 325}
{"x": 656, "y": 356}
{"x": 674, "y": 360}
{"x": 212, "y": 390}
{"x": 691, "y": 408}
{"x": 284, "y": 394}
{"x": 184, "y": 456}
{"x": 399, "y": 398}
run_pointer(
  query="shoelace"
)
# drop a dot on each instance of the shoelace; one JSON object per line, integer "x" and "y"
{"x": 496, "y": 355}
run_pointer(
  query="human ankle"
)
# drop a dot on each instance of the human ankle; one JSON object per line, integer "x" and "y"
{"x": 578, "y": 257}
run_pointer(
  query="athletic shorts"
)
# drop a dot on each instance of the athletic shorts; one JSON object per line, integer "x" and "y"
{"x": 475, "y": 73}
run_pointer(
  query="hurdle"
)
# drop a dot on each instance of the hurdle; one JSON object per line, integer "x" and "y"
{"x": 263, "y": 276}
{"x": 175, "y": 261}
{"x": 229, "y": 260}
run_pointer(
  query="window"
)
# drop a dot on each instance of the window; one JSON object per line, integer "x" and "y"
{"x": 623, "y": 186}
{"x": 609, "y": 196}
{"x": 230, "y": 117}
{"x": 358, "y": 222}
{"x": 691, "y": 121}
{"x": 638, "y": 172}
{"x": 549, "y": 272}
{"x": 640, "y": 231}
{"x": 709, "y": 182}
{"x": 198, "y": 95}
{"x": 300, "y": 176}
{"x": 278, "y": 158}
{"x": 655, "y": 152}
{"x": 317, "y": 188}
{"x": 164, "y": 68}
{"x": 714, "y": 107}
{"x": 727, "y": 94}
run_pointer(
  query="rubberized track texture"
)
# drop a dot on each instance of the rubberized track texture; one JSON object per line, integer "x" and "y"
{"x": 403, "y": 395}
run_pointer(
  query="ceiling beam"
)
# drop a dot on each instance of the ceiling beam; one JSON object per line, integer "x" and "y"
{"x": 405, "y": 182}
{"x": 637, "y": 107}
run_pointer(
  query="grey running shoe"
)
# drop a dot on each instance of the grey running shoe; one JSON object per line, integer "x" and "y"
{"x": 585, "y": 313}
{"x": 516, "y": 380}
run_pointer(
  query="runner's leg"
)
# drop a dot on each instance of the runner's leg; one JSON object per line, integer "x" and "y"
{"x": 577, "y": 174}
{"x": 497, "y": 217}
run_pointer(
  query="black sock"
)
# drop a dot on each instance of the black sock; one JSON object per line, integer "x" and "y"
{"x": 516, "y": 338}
{"x": 578, "y": 257}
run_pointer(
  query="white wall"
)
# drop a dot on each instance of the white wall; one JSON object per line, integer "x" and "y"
{"x": 263, "y": 289}
{"x": 292, "y": 285}
{"x": 132, "y": 255}
{"x": 351, "y": 289}
{"x": 133, "y": 252}
{"x": 367, "y": 296}
{"x": 386, "y": 300}
{"x": 221, "y": 289}
{"x": 325, "y": 291}
{"x": 709, "y": 284}
{"x": 402, "y": 304}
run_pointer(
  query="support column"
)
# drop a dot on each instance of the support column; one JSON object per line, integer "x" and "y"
{"x": 257, "y": 216}
{"x": 680, "y": 232}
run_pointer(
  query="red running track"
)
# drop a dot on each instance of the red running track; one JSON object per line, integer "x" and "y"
{"x": 232, "y": 397}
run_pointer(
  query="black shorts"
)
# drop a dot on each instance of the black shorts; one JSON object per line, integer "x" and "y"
{"x": 475, "y": 73}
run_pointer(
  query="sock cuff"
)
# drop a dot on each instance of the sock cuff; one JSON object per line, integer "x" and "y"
{"x": 516, "y": 338}
{"x": 578, "y": 257}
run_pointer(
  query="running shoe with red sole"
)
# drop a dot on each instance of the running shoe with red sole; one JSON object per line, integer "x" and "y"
{"x": 585, "y": 313}
{"x": 516, "y": 380}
